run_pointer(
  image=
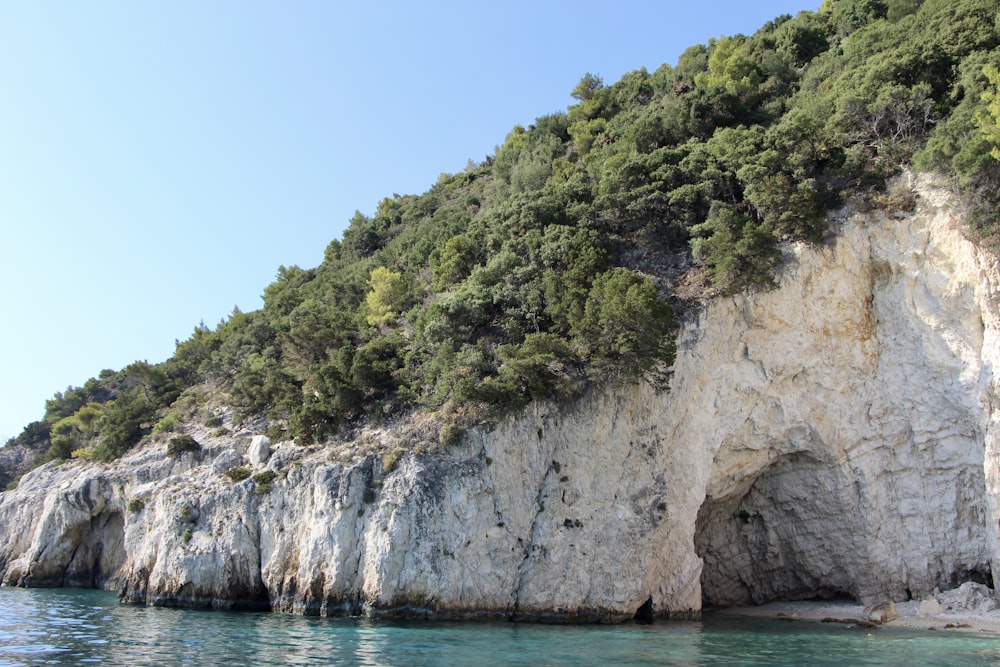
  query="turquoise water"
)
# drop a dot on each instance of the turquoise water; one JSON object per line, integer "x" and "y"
{"x": 81, "y": 627}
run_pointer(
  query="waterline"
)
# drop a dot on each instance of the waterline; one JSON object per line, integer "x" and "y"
{"x": 73, "y": 627}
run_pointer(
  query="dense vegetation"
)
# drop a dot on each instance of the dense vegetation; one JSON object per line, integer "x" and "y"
{"x": 548, "y": 265}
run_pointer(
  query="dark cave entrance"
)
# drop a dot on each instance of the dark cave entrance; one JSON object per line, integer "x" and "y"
{"x": 99, "y": 552}
{"x": 780, "y": 535}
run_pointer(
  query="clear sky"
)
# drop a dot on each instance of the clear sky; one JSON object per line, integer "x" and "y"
{"x": 160, "y": 160}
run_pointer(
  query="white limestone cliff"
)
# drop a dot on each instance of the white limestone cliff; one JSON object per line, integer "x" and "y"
{"x": 836, "y": 435}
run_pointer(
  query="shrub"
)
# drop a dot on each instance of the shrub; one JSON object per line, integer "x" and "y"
{"x": 136, "y": 505}
{"x": 182, "y": 443}
{"x": 167, "y": 424}
{"x": 262, "y": 481}
{"x": 390, "y": 460}
{"x": 237, "y": 474}
{"x": 265, "y": 477}
{"x": 186, "y": 537}
{"x": 275, "y": 432}
{"x": 451, "y": 433}
{"x": 187, "y": 402}
{"x": 213, "y": 422}
{"x": 899, "y": 197}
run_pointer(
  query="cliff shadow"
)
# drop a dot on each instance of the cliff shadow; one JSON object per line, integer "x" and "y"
{"x": 99, "y": 552}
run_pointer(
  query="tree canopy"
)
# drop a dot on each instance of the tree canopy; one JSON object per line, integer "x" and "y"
{"x": 547, "y": 266}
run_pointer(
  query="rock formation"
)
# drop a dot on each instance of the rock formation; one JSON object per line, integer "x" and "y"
{"x": 836, "y": 435}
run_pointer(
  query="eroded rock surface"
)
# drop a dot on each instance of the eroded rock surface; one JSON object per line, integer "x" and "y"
{"x": 834, "y": 436}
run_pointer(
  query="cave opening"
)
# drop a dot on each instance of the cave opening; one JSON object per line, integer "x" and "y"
{"x": 779, "y": 534}
{"x": 99, "y": 552}
{"x": 645, "y": 611}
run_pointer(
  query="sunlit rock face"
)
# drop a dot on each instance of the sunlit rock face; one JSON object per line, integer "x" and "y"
{"x": 833, "y": 436}
{"x": 852, "y": 420}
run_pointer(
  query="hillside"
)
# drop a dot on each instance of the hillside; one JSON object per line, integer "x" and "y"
{"x": 569, "y": 258}
{"x": 835, "y": 436}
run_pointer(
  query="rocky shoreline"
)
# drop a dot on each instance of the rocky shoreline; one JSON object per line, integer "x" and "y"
{"x": 969, "y": 608}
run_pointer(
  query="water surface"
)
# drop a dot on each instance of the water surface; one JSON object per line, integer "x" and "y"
{"x": 81, "y": 627}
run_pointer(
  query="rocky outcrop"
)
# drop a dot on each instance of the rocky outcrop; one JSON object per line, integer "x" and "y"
{"x": 865, "y": 389}
{"x": 16, "y": 460}
{"x": 833, "y": 436}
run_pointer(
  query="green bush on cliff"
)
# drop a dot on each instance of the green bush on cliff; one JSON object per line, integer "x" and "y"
{"x": 237, "y": 474}
{"x": 180, "y": 444}
{"x": 263, "y": 481}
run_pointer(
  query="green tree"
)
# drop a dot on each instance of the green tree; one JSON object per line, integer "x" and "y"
{"x": 587, "y": 87}
{"x": 626, "y": 329}
{"x": 729, "y": 68}
{"x": 543, "y": 366}
{"x": 384, "y": 301}
{"x": 850, "y": 15}
{"x": 122, "y": 424}
{"x": 457, "y": 259}
{"x": 66, "y": 435}
{"x": 375, "y": 365}
{"x": 989, "y": 119}
{"x": 737, "y": 251}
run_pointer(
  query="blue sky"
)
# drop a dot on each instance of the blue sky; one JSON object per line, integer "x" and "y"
{"x": 160, "y": 160}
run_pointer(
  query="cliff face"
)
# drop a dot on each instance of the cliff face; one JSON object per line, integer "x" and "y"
{"x": 836, "y": 435}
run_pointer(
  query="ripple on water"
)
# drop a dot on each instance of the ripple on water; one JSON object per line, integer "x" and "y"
{"x": 71, "y": 627}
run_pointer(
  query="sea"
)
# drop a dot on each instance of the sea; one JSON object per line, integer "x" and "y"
{"x": 89, "y": 627}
